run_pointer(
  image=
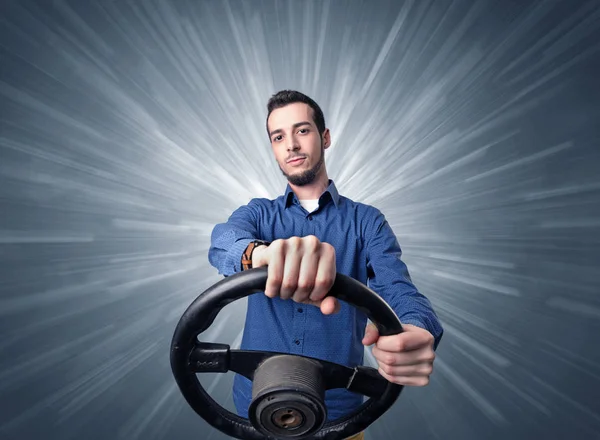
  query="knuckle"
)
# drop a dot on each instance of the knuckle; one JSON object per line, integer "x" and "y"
{"x": 321, "y": 281}
{"x": 386, "y": 368}
{"x": 427, "y": 369}
{"x": 274, "y": 280}
{"x": 305, "y": 285}
{"x": 430, "y": 357}
{"x": 300, "y": 297}
{"x": 311, "y": 242}
{"x": 293, "y": 242}
{"x": 400, "y": 345}
{"x": 289, "y": 284}
{"x": 389, "y": 359}
{"x": 276, "y": 245}
{"x": 326, "y": 249}
{"x": 313, "y": 239}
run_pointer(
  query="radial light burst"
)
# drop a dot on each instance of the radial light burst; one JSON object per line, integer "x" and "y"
{"x": 129, "y": 129}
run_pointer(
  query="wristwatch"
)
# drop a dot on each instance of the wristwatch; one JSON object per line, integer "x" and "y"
{"x": 247, "y": 256}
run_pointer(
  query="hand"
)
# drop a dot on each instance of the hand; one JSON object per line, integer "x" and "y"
{"x": 300, "y": 268}
{"x": 406, "y": 358}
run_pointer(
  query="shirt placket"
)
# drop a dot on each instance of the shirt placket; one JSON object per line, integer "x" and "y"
{"x": 300, "y": 310}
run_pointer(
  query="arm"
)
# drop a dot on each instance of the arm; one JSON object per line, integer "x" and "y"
{"x": 230, "y": 239}
{"x": 389, "y": 277}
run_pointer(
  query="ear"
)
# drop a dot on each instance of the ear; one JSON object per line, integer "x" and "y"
{"x": 326, "y": 139}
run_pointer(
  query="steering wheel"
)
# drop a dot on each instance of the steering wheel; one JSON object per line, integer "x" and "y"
{"x": 287, "y": 390}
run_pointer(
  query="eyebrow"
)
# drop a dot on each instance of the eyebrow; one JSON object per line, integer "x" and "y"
{"x": 296, "y": 125}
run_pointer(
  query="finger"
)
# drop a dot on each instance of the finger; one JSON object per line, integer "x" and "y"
{"x": 330, "y": 305}
{"x": 407, "y": 358}
{"x": 371, "y": 334}
{"x": 274, "y": 271}
{"x": 326, "y": 273}
{"x": 291, "y": 268}
{"x": 402, "y": 380}
{"x": 308, "y": 270}
{"x": 420, "y": 370}
{"x": 405, "y": 341}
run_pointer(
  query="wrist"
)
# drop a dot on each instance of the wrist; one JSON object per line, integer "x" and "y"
{"x": 249, "y": 258}
{"x": 258, "y": 256}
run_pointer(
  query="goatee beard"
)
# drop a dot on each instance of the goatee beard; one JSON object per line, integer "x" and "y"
{"x": 307, "y": 176}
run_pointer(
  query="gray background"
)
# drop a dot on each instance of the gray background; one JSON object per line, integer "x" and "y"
{"x": 128, "y": 129}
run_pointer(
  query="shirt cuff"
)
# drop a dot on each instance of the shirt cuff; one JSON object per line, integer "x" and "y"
{"x": 413, "y": 320}
{"x": 236, "y": 252}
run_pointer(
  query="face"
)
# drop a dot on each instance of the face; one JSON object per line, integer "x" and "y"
{"x": 296, "y": 142}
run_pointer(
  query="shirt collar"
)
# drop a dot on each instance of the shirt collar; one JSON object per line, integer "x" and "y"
{"x": 289, "y": 196}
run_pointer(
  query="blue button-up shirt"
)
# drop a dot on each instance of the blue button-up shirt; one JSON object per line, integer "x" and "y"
{"x": 366, "y": 250}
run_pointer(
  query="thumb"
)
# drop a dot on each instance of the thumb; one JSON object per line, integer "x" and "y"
{"x": 329, "y": 305}
{"x": 371, "y": 334}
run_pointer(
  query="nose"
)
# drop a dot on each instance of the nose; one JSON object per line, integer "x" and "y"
{"x": 292, "y": 144}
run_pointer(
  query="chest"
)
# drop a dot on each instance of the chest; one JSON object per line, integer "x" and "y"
{"x": 340, "y": 229}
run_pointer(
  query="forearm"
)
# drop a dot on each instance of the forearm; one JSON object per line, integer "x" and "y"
{"x": 230, "y": 239}
{"x": 225, "y": 254}
{"x": 414, "y": 308}
{"x": 389, "y": 277}
{"x": 411, "y": 306}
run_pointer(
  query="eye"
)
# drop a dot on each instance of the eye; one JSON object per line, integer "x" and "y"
{"x": 303, "y": 130}
{"x": 277, "y": 138}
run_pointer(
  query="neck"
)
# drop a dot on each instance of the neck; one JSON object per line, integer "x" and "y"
{"x": 313, "y": 190}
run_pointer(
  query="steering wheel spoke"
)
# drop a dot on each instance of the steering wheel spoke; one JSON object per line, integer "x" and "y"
{"x": 210, "y": 357}
{"x": 368, "y": 382}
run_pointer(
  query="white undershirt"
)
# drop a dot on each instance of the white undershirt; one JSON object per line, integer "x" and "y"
{"x": 310, "y": 205}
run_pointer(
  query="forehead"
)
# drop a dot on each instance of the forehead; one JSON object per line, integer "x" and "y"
{"x": 285, "y": 117}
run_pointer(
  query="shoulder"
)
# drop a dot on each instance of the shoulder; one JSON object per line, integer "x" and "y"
{"x": 363, "y": 211}
{"x": 263, "y": 202}
{"x": 263, "y": 205}
{"x": 369, "y": 219}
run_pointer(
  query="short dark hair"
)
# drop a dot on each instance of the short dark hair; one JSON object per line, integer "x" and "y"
{"x": 285, "y": 97}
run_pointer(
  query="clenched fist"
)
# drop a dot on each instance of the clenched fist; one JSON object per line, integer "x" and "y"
{"x": 406, "y": 358}
{"x": 300, "y": 268}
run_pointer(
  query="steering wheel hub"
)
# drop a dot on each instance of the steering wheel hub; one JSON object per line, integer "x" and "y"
{"x": 288, "y": 397}
{"x": 287, "y": 418}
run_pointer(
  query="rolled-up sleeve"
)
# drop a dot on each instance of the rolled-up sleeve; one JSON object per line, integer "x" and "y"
{"x": 230, "y": 239}
{"x": 389, "y": 277}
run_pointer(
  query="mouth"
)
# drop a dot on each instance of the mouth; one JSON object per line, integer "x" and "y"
{"x": 296, "y": 160}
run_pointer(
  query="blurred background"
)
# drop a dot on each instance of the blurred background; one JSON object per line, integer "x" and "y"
{"x": 128, "y": 129}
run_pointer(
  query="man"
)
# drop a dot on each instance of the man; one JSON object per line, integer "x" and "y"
{"x": 305, "y": 237}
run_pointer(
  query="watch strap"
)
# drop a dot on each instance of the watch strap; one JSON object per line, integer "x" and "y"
{"x": 247, "y": 256}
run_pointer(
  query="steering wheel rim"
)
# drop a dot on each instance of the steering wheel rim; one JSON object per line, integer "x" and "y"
{"x": 202, "y": 312}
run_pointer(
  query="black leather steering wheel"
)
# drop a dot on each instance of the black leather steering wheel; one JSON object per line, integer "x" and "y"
{"x": 288, "y": 389}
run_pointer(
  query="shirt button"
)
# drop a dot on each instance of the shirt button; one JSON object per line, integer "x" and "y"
{"x": 310, "y": 217}
{"x": 299, "y": 310}
{"x": 297, "y": 342}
